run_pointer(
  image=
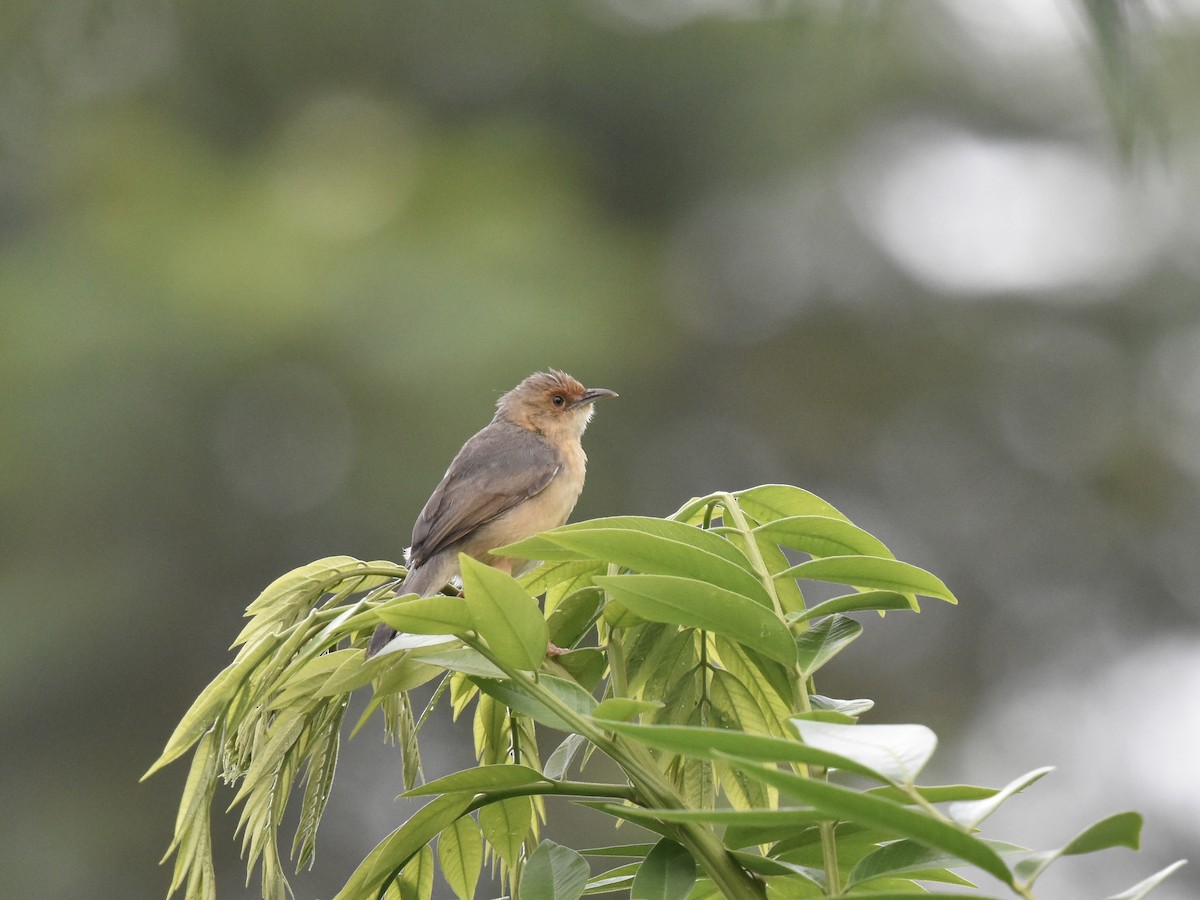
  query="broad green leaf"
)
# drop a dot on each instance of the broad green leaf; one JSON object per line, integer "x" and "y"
{"x": 882, "y": 600}
{"x": 427, "y": 615}
{"x": 650, "y": 546}
{"x": 823, "y": 641}
{"x": 907, "y": 857}
{"x": 506, "y": 824}
{"x": 841, "y": 803}
{"x": 792, "y": 887}
{"x": 733, "y": 701}
{"x": 716, "y": 743}
{"x": 612, "y": 880}
{"x": 585, "y": 665}
{"x": 554, "y": 573}
{"x": 416, "y": 881}
{"x": 462, "y": 659}
{"x": 695, "y": 604}
{"x": 460, "y": 854}
{"x": 971, "y": 812}
{"x": 1121, "y": 830}
{"x": 572, "y": 618}
{"x": 769, "y": 502}
{"x": 873, "y": 572}
{"x": 823, "y": 536}
{"x": 480, "y": 780}
{"x": 504, "y": 615}
{"x": 394, "y": 851}
{"x": 514, "y": 697}
{"x": 667, "y": 873}
{"x": 1142, "y": 888}
{"x": 898, "y": 752}
{"x": 623, "y": 708}
{"x": 554, "y": 872}
{"x": 769, "y": 683}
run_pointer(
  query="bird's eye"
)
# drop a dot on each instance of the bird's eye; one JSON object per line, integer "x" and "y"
{"x": 558, "y": 400}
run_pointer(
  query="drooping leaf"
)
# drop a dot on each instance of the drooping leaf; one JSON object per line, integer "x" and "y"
{"x": 906, "y": 857}
{"x": 394, "y": 851}
{"x": 481, "y": 779}
{"x": 506, "y": 824}
{"x": 650, "y": 546}
{"x": 881, "y": 600}
{"x": 554, "y": 872}
{"x": 515, "y": 697}
{"x": 694, "y": 604}
{"x": 667, "y": 873}
{"x": 874, "y": 572}
{"x": 824, "y": 536}
{"x": 504, "y": 615}
{"x": 460, "y": 854}
{"x": 898, "y": 752}
{"x": 823, "y": 641}
{"x": 416, "y": 881}
{"x": 840, "y": 803}
{"x": 427, "y": 615}
{"x": 564, "y": 754}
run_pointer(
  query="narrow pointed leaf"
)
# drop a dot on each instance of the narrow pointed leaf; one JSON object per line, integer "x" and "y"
{"x": 1121, "y": 830}
{"x": 844, "y": 804}
{"x": 481, "y": 779}
{"x": 516, "y": 698}
{"x": 1142, "y": 888}
{"x": 972, "y": 812}
{"x": 427, "y": 615}
{"x": 882, "y": 600}
{"x": 554, "y": 872}
{"x": 824, "y": 536}
{"x": 899, "y": 752}
{"x": 504, "y": 615}
{"x": 906, "y": 857}
{"x": 623, "y": 709}
{"x": 506, "y": 824}
{"x": 769, "y": 502}
{"x": 667, "y": 873}
{"x": 394, "y": 851}
{"x": 694, "y": 604}
{"x": 874, "y": 572}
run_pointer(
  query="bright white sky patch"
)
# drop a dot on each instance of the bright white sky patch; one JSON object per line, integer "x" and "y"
{"x": 972, "y": 215}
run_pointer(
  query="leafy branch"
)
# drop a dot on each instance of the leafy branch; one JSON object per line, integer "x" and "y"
{"x": 701, "y": 687}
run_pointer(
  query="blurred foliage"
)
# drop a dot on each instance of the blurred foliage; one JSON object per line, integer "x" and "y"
{"x": 264, "y": 267}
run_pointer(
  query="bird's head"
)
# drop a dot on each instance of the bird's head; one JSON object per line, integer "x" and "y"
{"x": 551, "y": 403}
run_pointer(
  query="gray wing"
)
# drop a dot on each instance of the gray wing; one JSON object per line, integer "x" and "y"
{"x": 501, "y": 466}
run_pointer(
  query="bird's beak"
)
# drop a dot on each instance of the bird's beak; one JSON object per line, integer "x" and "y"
{"x": 593, "y": 394}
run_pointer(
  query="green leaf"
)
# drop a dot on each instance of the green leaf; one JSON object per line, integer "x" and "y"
{"x": 554, "y": 872}
{"x": 516, "y": 697}
{"x": 622, "y": 709}
{"x": 1121, "y": 830}
{"x": 416, "y": 881}
{"x": 916, "y": 893}
{"x": 824, "y": 536}
{"x": 873, "y": 572}
{"x": 718, "y": 743}
{"x": 769, "y": 502}
{"x": 462, "y": 659}
{"x": 841, "y": 803}
{"x": 851, "y": 709}
{"x": 667, "y": 873}
{"x": 823, "y": 641}
{"x": 560, "y": 760}
{"x": 971, "y": 812}
{"x": 572, "y": 618}
{"x": 586, "y": 666}
{"x": 505, "y": 615}
{"x": 652, "y": 546}
{"x": 1142, "y": 888}
{"x": 555, "y": 573}
{"x": 394, "y": 851}
{"x": 427, "y": 615}
{"x": 506, "y": 824}
{"x": 907, "y": 857}
{"x": 898, "y": 752}
{"x": 460, "y": 854}
{"x": 854, "y": 603}
{"x": 481, "y": 779}
{"x": 612, "y": 880}
{"x": 694, "y": 604}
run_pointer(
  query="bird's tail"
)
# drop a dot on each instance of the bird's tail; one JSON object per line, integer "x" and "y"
{"x": 424, "y": 580}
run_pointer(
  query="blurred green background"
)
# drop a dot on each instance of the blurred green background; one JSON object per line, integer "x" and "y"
{"x": 264, "y": 266}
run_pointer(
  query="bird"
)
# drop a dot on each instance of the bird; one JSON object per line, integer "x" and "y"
{"x": 520, "y": 475}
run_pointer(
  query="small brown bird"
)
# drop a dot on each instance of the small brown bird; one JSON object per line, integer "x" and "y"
{"x": 518, "y": 476}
